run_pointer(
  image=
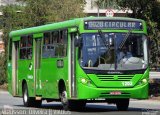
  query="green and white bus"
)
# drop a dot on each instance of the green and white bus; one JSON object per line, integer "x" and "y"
{"x": 92, "y": 59}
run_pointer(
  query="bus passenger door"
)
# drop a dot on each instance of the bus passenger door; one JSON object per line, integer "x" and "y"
{"x": 73, "y": 65}
{"x": 25, "y": 63}
{"x": 15, "y": 49}
{"x": 37, "y": 63}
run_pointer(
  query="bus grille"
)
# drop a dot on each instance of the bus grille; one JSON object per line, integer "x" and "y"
{"x": 115, "y": 77}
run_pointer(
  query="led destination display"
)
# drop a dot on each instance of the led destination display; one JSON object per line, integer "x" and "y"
{"x": 113, "y": 24}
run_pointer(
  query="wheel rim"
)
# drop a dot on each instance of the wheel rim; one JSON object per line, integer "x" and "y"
{"x": 25, "y": 96}
{"x": 64, "y": 97}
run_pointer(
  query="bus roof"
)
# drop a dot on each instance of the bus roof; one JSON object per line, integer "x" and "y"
{"x": 64, "y": 24}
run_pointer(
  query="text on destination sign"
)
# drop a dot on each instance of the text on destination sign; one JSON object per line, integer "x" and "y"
{"x": 113, "y": 25}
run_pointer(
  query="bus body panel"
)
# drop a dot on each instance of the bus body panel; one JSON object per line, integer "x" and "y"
{"x": 111, "y": 80}
{"x": 86, "y": 92}
{"x": 25, "y": 73}
{"x": 50, "y": 76}
{"x": 9, "y": 72}
{"x": 90, "y": 90}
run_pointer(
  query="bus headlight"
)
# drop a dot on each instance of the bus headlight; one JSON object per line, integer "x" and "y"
{"x": 83, "y": 80}
{"x": 144, "y": 80}
{"x": 86, "y": 81}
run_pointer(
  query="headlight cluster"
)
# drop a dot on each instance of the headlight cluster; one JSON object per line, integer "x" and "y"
{"x": 143, "y": 81}
{"x": 86, "y": 81}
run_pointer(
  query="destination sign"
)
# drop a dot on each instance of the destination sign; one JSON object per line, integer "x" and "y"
{"x": 113, "y": 24}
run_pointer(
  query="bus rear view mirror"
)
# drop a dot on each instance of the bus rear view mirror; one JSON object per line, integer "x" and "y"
{"x": 111, "y": 41}
{"x": 77, "y": 41}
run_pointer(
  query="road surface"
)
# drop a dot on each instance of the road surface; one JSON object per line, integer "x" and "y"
{"x": 13, "y": 105}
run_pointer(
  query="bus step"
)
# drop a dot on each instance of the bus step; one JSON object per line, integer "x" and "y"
{"x": 38, "y": 98}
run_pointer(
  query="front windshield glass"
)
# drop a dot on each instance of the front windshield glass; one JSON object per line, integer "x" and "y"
{"x": 114, "y": 51}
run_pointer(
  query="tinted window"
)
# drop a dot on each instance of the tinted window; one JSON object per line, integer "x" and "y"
{"x": 55, "y": 44}
{"x": 26, "y": 47}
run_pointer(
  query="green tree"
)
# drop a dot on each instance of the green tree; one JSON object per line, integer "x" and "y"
{"x": 10, "y": 21}
{"x": 3, "y": 78}
{"x": 106, "y": 4}
{"x": 30, "y": 13}
{"x": 39, "y": 12}
{"x": 66, "y": 9}
{"x": 36, "y": 12}
{"x": 147, "y": 10}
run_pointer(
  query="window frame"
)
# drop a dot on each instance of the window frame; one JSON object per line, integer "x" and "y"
{"x": 26, "y": 47}
{"x": 57, "y": 43}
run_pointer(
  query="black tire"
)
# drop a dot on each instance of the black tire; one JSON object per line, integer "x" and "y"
{"x": 122, "y": 104}
{"x": 71, "y": 104}
{"x": 37, "y": 103}
{"x": 65, "y": 102}
{"x": 79, "y": 104}
{"x": 29, "y": 101}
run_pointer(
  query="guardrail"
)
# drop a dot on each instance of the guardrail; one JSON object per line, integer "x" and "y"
{"x": 154, "y": 75}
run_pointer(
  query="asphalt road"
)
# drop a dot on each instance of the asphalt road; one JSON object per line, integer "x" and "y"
{"x": 12, "y": 105}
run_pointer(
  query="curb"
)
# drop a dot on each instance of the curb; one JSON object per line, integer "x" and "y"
{"x": 4, "y": 92}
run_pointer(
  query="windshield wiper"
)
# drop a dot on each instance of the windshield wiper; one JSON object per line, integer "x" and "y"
{"x": 103, "y": 39}
{"x": 123, "y": 42}
{"x": 125, "y": 39}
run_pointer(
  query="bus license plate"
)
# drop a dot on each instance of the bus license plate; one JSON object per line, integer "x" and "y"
{"x": 115, "y": 93}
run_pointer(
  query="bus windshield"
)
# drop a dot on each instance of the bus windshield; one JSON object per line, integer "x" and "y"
{"x": 115, "y": 51}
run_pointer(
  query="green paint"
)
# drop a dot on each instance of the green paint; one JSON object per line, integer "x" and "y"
{"x": 49, "y": 75}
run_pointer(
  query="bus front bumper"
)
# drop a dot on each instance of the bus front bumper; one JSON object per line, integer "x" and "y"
{"x": 87, "y": 92}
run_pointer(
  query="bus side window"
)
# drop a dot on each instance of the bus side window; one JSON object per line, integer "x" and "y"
{"x": 55, "y": 37}
{"x": 55, "y": 44}
{"x": 23, "y": 54}
{"x": 62, "y": 44}
{"x": 26, "y": 44}
{"x": 30, "y": 41}
{"x": 46, "y": 45}
{"x": 29, "y": 47}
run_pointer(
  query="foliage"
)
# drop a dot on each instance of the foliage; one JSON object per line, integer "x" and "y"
{"x": 154, "y": 89}
{"x": 147, "y": 10}
{"x": 10, "y": 20}
{"x": 30, "y": 13}
{"x": 3, "y": 78}
{"x": 39, "y": 12}
{"x": 106, "y": 4}
{"x": 67, "y": 9}
{"x": 36, "y": 12}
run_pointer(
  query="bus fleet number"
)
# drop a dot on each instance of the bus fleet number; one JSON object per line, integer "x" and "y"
{"x": 127, "y": 83}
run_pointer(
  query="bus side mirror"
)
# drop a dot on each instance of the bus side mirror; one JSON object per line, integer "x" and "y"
{"x": 111, "y": 42}
{"x": 78, "y": 41}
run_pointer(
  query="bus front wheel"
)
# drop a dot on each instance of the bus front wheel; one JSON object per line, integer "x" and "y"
{"x": 64, "y": 100}
{"x": 29, "y": 101}
{"x": 122, "y": 104}
{"x": 71, "y": 104}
